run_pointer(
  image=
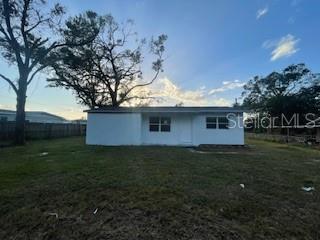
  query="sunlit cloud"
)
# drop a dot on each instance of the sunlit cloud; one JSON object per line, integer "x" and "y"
{"x": 168, "y": 93}
{"x": 227, "y": 85}
{"x": 7, "y": 107}
{"x": 285, "y": 47}
{"x": 262, "y": 12}
{"x": 221, "y": 102}
{"x": 70, "y": 113}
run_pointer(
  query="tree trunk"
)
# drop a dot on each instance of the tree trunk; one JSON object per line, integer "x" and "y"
{"x": 114, "y": 100}
{"x": 20, "y": 115}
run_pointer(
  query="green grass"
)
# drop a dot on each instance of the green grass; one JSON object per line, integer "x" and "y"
{"x": 158, "y": 192}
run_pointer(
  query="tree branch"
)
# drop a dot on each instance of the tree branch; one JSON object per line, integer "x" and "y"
{"x": 140, "y": 85}
{"x": 35, "y": 73}
{"x": 55, "y": 45}
{"x": 23, "y": 32}
{"x": 15, "y": 45}
{"x": 10, "y": 83}
{"x": 5, "y": 34}
{"x": 40, "y": 21}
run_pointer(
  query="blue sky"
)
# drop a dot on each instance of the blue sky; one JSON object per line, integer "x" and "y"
{"x": 213, "y": 48}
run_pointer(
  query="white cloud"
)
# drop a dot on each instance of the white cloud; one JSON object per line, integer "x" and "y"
{"x": 165, "y": 92}
{"x": 70, "y": 113}
{"x": 285, "y": 47}
{"x": 221, "y": 102}
{"x": 7, "y": 107}
{"x": 168, "y": 93}
{"x": 227, "y": 85}
{"x": 269, "y": 44}
{"x": 261, "y": 12}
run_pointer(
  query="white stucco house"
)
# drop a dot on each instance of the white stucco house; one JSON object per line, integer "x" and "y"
{"x": 177, "y": 126}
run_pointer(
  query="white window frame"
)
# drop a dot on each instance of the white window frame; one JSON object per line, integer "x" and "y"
{"x": 216, "y": 122}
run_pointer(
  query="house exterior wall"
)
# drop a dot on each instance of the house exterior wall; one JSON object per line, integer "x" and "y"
{"x": 234, "y": 135}
{"x": 114, "y": 129}
{"x": 186, "y": 129}
{"x": 179, "y": 127}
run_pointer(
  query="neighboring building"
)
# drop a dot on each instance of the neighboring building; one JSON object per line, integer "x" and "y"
{"x": 185, "y": 126}
{"x": 32, "y": 116}
{"x": 79, "y": 121}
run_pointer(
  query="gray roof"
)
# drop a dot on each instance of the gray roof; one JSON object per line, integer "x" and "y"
{"x": 33, "y": 114}
{"x": 164, "y": 109}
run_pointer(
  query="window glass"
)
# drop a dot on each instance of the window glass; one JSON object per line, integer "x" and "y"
{"x": 157, "y": 124}
{"x": 217, "y": 122}
{"x": 154, "y": 128}
{"x": 154, "y": 124}
{"x": 210, "y": 125}
{"x": 3, "y": 119}
{"x": 211, "y": 122}
{"x": 165, "y": 121}
{"x": 165, "y": 128}
{"x": 211, "y": 119}
{"x": 154, "y": 120}
{"x": 223, "y": 123}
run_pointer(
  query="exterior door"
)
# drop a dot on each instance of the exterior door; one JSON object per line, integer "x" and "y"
{"x": 186, "y": 130}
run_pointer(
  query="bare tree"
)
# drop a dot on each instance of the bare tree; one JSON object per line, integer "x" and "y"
{"x": 25, "y": 42}
{"x": 108, "y": 70}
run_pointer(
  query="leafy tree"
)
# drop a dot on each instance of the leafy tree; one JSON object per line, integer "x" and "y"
{"x": 309, "y": 98}
{"x": 28, "y": 30}
{"x": 277, "y": 92}
{"x": 295, "y": 90}
{"x": 108, "y": 70}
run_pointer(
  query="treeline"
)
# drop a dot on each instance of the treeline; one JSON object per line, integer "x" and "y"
{"x": 286, "y": 99}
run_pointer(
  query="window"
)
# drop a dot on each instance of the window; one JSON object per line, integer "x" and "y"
{"x": 161, "y": 124}
{"x": 217, "y": 122}
{"x": 223, "y": 123}
{"x": 154, "y": 124}
{"x": 165, "y": 124}
{"x": 211, "y": 122}
{"x": 3, "y": 119}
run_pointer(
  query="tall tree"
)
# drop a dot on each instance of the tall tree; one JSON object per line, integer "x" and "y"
{"x": 281, "y": 95}
{"x": 276, "y": 93}
{"x": 108, "y": 71}
{"x": 28, "y": 30}
{"x": 309, "y": 98}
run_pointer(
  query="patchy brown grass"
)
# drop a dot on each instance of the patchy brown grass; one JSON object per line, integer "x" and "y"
{"x": 158, "y": 192}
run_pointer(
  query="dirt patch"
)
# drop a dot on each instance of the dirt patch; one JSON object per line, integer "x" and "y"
{"x": 222, "y": 149}
{"x": 193, "y": 150}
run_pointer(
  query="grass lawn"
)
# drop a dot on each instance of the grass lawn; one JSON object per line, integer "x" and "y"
{"x": 87, "y": 192}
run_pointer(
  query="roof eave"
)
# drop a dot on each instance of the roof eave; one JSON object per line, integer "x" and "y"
{"x": 159, "y": 110}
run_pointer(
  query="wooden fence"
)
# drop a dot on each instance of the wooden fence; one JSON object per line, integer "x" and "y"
{"x": 42, "y": 130}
